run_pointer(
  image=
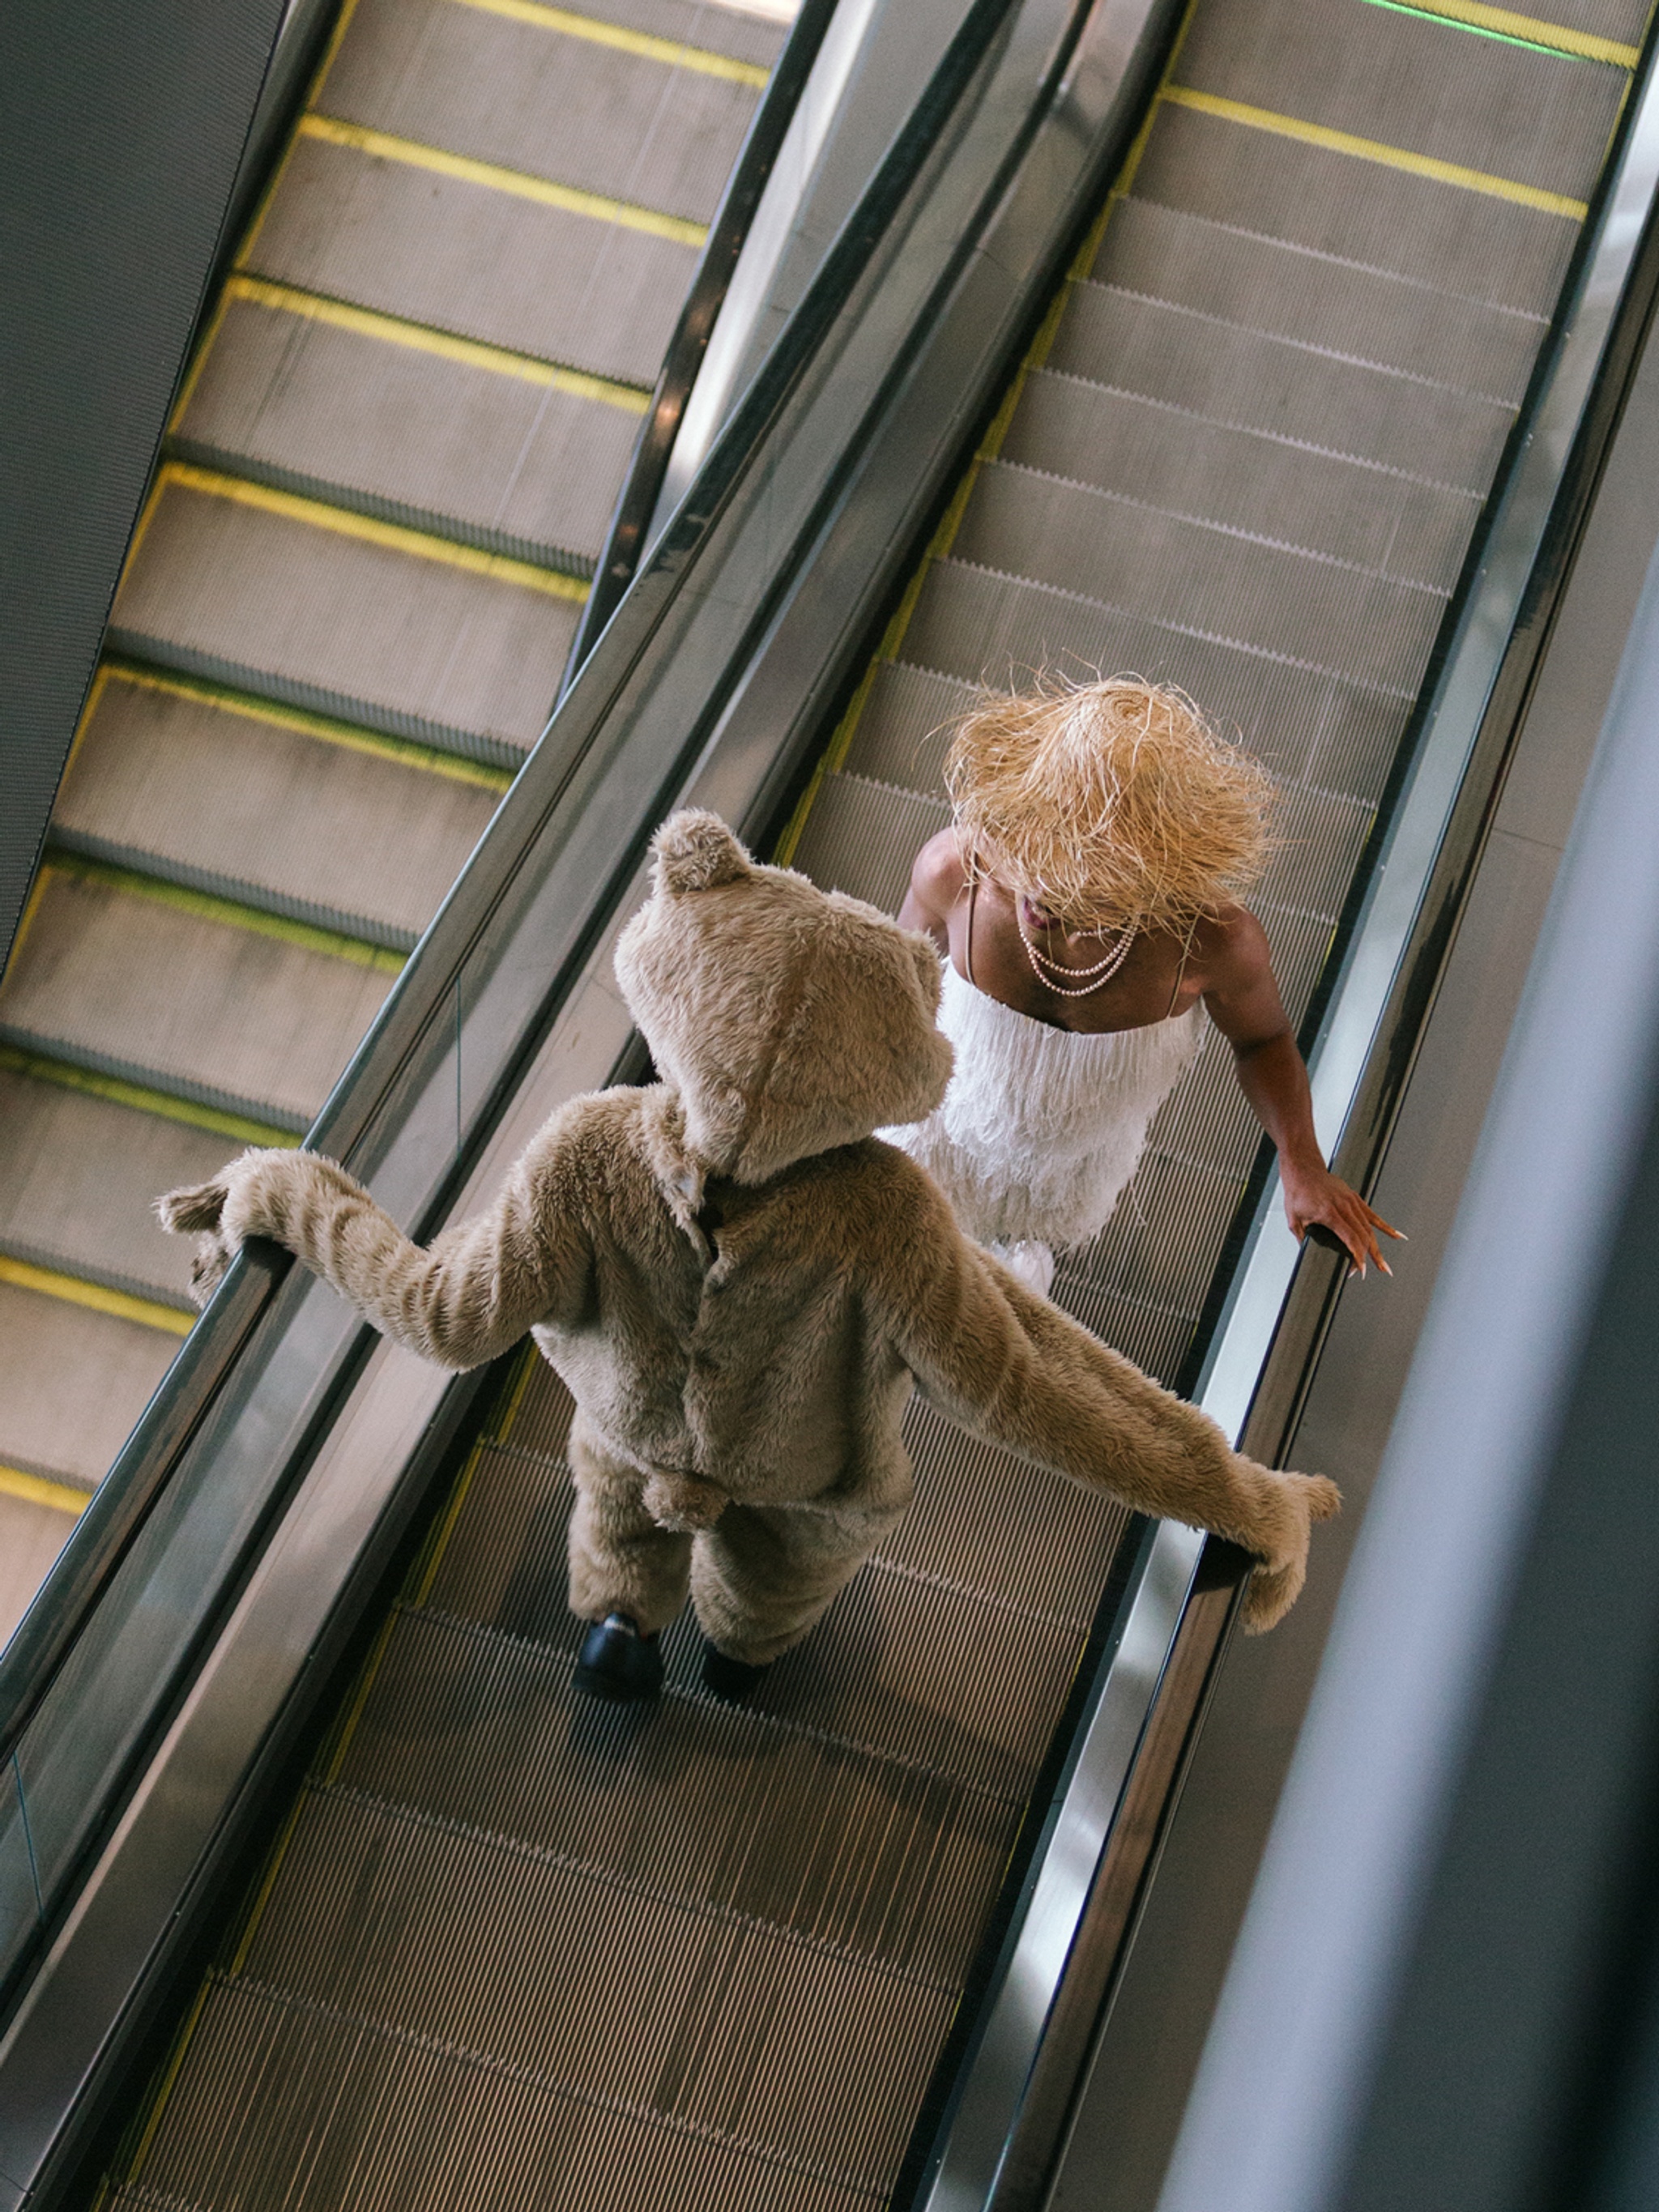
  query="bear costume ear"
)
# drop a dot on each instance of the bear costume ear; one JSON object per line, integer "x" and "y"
{"x": 694, "y": 851}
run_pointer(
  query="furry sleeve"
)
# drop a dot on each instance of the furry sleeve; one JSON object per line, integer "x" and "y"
{"x": 465, "y": 1298}
{"x": 1013, "y": 1368}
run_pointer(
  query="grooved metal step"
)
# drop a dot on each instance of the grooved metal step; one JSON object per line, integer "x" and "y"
{"x": 265, "y": 1021}
{"x": 1124, "y": 443}
{"x": 72, "y": 1383}
{"x": 499, "y": 450}
{"x": 1486, "y": 248}
{"x": 1252, "y": 381}
{"x": 1370, "y": 628}
{"x": 1407, "y": 81}
{"x": 631, "y": 125}
{"x": 449, "y": 642}
{"x": 588, "y": 292}
{"x": 1234, "y": 276}
{"x": 213, "y": 790}
{"x": 80, "y": 1173}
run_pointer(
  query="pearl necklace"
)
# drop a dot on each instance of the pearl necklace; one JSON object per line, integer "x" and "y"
{"x": 1046, "y": 970}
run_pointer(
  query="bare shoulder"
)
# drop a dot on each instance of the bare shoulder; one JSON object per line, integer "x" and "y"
{"x": 1229, "y": 949}
{"x": 937, "y": 879}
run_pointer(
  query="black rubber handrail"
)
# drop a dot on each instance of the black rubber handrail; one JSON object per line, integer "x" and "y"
{"x": 365, "y": 1099}
{"x": 647, "y": 465}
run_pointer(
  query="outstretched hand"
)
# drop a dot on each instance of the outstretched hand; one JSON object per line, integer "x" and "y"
{"x": 1315, "y": 1197}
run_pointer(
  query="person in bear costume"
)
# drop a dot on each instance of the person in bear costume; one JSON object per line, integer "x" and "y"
{"x": 739, "y": 1284}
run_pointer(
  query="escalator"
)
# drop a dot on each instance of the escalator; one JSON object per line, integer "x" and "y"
{"x": 342, "y": 623}
{"x": 1346, "y": 286}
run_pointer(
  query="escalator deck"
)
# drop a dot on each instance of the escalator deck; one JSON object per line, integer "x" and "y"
{"x": 514, "y": 1951}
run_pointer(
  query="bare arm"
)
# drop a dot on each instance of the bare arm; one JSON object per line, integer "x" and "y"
{"x": 1241, "y": 999}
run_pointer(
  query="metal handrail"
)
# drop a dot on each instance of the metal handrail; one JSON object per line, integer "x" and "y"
{"x": 630, "y": 519}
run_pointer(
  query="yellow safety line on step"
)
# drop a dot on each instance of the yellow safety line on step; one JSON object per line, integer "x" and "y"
{"x": 423, "y": 337}
{"x": 641, "y": 43}
{"x": 211, "y": 906}
{"x": 519, "y": 182}
{"x": 396, "y": 537}
{"x": 1371, "y": 149}
{"x": 169, "y": 2082}
{"x": 239, "y": 1127}
{"x": 35, "y": 1490}
{"x": 1529, "y": 30}
{"x": 23, "y": 1275}
{"x": 355, "y": 1711}
{"x": 225, "y": 699}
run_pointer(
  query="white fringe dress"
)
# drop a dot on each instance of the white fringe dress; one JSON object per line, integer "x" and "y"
{"x": 1041, "y": 1127}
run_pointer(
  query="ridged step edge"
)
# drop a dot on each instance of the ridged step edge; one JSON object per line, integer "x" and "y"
{"x": 60, "y": 1049}
{"x": 285, "y": 2001}
{"x": 263, "y": 683}
{"x": 236, "y": 890}
{"x": 83, "y": 1270}
{"x": 773, "y": 1725}
{"x": 435, "y": 522}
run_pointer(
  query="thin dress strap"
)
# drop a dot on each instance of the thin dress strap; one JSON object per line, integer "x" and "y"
{"x": 1181, "y": 975}
{"x": 968, "y": 939}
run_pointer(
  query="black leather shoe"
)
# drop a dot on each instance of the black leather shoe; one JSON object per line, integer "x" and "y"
{"x": 731, "y": 1679}
{"x": 615, "y": 1661}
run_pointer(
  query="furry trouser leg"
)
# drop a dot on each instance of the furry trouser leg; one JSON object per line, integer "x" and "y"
{"x": 620, "y": 1560}
{"x": 762, "y": 1575}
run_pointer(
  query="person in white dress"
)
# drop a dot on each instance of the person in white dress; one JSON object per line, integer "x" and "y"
{"x": 1085, "y": 902}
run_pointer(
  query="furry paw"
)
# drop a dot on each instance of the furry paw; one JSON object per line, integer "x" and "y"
{"x": 1277, "y": 1582}
{"x": 683, "y": 1503}
{"x": 198, "y": 1210}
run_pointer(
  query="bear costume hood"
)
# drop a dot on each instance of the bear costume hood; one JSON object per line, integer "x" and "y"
{"x": 789, "y": 1020}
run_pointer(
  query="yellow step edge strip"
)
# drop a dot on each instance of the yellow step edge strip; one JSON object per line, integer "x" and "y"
{"x": 699, "y": 59}
{"x": 163, "y": 1104}
{"x": 36, "y": 1490}
{"x": 22, "y": 1275}
{"x": 1560, "y": 37}
{"x": 422, "y": 338}
{"x": 1371, "y": 149}
{"x": 519, "y": 182}
{"x": 226, "y": 700}
{"x": 396, "y": 537}
{"x": 208, "y": 906}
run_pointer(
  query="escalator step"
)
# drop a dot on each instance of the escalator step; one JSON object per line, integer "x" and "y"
{"x": 494, "y": 451}
{"x": 444, "y": 642}
{"x": 1284, "y": 291}
{"x": 514, "y": 91}
{"x": 709, "y": 1803}
{"x": 1254, "y": 382}
{"x": 977, "y": 625}
{"x": 288, "y": 2104}
{"x": 862, "y": 837}
{"x": 265, "y": 1022}
{"x": 1128, "y": 444}
{"x": 433, "y": 248}
{"x": 905, "y": 727}
{"x": 1406, "y": 81}
{"x": 204, "y": 787}
{"x": 1135, "y": 1257}
{"x": 81, "y": 1174}
{"x": 1369, "y": 629}
{"x": 1471, "y": 243}
{"x": 694, "y": 2016}
{"x": 72, "y": 1383}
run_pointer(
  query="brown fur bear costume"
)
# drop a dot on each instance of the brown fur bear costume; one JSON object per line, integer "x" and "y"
{"x": 739, "y": 1282}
